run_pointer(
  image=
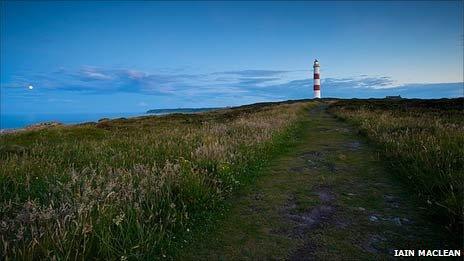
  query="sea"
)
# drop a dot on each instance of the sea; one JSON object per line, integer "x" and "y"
{"x": 17, "y": 121}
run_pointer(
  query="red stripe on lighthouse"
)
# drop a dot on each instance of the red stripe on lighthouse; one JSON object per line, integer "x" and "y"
{"x": 316, "y": 76}
{"x": 317, "y": 87}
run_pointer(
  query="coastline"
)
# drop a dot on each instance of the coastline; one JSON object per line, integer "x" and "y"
{"x": 69, "y": 121}
{"x": 101, "y": 117}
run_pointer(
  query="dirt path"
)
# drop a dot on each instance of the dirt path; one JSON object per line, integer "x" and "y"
{"x": 329, "y": 198}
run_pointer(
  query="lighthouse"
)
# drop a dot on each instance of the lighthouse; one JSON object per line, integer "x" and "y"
{"x": 317, "y": 80}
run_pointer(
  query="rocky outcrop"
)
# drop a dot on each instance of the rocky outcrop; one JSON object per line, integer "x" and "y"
{"x": 43, "y": 125}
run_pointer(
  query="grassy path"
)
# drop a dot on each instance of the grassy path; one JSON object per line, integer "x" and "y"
{"x": 330, "y": 197}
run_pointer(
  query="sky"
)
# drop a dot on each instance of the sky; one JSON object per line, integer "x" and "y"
{"x": 104, "y": 56}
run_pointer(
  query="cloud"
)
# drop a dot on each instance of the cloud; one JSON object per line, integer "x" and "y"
{"x": 135, "y": 75}
{"x": 256, "y": 81}
{"x": 365, "y": 82}
{"x": 99, "y": 80}
{"x": 94, "y": 74}
{"x": 263, "y": 84}
{"x": 379, "y": 87}
{"x": 254, "y": 73}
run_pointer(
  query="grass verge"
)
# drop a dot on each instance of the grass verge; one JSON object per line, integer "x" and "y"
{"x": 423, "y": 143}
{"x": 130, "y": 188}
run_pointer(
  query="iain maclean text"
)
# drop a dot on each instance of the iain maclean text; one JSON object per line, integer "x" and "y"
{"x": 435, "y": 252}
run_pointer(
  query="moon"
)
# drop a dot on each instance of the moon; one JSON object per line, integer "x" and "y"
{"x": 30, "y": 87}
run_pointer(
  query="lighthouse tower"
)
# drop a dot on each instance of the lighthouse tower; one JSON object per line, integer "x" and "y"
{"x": 317, "y": 80}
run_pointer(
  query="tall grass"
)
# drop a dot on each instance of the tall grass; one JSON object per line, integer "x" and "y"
{"x": 124, "y": 189}
{"x": 424, "y": 142}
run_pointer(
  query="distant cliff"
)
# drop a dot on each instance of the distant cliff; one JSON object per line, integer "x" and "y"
{"x": 182, "y": 110}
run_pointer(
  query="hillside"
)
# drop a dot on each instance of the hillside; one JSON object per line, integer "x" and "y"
{"x": 130, "y": 187}
{"x": 182, "y": 110}
{"x": 325, "y": 179}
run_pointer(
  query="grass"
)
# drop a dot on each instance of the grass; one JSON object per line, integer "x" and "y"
{"x": 281, "y": 216}
{"x": 130, "y": 188}
{"x": 423, "y": 142}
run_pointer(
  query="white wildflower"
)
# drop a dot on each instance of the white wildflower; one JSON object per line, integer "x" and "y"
{"x": 118, "y": 219}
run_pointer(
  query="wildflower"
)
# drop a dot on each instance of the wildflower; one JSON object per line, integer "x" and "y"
{"x": 118, "y": 219}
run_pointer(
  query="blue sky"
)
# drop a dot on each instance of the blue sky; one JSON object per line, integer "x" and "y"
{"x": 103, "y": 56}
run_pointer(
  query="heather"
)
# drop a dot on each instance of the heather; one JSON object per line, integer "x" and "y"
{"x": 130, "y": 188}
